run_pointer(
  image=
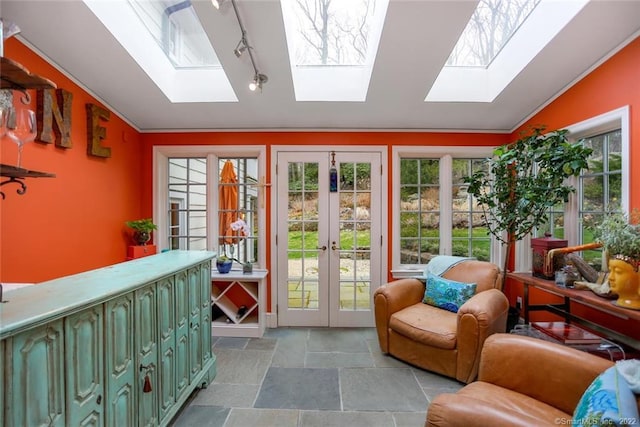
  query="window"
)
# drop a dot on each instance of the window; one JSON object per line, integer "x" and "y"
{"x": 600, "y": 188}
{"x": 175, "y": 27}
{"x": 189, "y": 207}
{"x": 187, "y": 212}
{"x": 489, "y": 29}
{"x": 603, "y": 187}
{"x": 238, "y": 195}
{"x": 433, "y": 213}
{"x": 167, "y": 40}
{"x": 470, "y": 234}
{"x": 332, "y": 46}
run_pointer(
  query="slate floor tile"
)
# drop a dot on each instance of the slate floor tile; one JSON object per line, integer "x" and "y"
{"x": 300, "y": 388}
{"x": 384, "y": 389}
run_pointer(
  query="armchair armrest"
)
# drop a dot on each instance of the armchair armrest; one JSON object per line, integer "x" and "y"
{"x": 481, "y": 316}
{"x": 561, "y": 373}
{"x": 455, "y": 410}
{"x": 390, "y": 298}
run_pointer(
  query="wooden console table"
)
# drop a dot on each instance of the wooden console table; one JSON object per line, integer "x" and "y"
{"x": 584, "y": 297}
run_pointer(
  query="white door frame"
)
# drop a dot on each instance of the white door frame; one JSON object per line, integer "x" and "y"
{"x": 384, "y": 196}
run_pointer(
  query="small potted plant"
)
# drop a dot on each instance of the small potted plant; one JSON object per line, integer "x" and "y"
{"x": 620, "y": 239}
{"x": 223, "y": 264}
{"x": 142, "y": 229}
{"x": 619, "y": 236}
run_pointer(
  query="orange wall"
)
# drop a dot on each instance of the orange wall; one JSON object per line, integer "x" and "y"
{"x": 74, "y": 222}
{"x": 614, "y": 84}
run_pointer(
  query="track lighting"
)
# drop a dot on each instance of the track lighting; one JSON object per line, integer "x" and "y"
{"x": 258, "y": 81}
{"x": 243, "y": 45}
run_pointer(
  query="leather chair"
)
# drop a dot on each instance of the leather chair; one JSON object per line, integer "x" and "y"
{"x": 435, "y": 339}
{"x": 522, "y": 381}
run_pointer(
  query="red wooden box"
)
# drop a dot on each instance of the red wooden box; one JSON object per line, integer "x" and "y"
{"x": 541, "y": 247}
{"x": 134, "y": 252}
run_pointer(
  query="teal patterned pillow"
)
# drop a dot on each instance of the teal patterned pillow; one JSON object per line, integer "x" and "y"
{"x": 447, "y": 294}
{"x": 608, "y": 401}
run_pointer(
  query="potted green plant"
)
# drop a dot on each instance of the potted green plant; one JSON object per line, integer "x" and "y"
{"x": 523, "y": 180}
{"x": 142, "y": 229}
{"x": 619, "y": 235}
{"x": 620, "y": 238}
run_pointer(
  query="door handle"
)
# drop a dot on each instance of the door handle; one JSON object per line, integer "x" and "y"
{"x": 322, "y": 248}
{"x": 334, "y": 247}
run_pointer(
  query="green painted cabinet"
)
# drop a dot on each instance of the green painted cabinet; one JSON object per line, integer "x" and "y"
{"x": 34, "y": 375}
{"x": 84, "y": 367}
{"x": 195, "y": 327}
{"x": 120, "y": 370}
{"x": 146, "y": 339}
{"x": 120, "y": 346}
{"x": 205, "y": 312}
{"x": 166, "y": 345}
{"x": 182, "y": 333}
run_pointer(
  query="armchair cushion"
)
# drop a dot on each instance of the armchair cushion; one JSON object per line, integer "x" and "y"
{"x": 447, "y": 294}
{"x": 426, "y": 325}
{"x": 607, "y": 401}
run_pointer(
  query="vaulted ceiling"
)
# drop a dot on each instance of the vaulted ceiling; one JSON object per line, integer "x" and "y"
{"x": 417, "y": 38}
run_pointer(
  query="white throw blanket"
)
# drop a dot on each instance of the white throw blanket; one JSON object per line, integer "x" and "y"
{"x": 630, "y": 370}
{"x": 438, "y": 265}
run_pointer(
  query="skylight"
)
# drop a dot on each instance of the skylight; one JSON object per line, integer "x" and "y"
{"x": 489, "y": 29}
{"x": 177, "y": 31}
{"x": 332, "y": 46}
{"x": 484, "y": 77}
{"x": 170, "y": 45}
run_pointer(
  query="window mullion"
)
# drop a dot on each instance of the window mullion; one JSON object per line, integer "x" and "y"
{"x": 446, "y": 205}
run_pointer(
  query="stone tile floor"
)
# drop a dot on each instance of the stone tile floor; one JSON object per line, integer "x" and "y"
{"x": 311, "y": 377}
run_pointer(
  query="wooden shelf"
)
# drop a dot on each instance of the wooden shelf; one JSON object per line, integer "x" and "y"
{"x": 14, "y": 76}
{"x": 248, "y": 288}
{"x": 15, "y": 172}
{"x": 17, "y": 175}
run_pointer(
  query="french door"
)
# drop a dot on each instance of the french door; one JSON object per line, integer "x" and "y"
{"x": 329, "y": 237}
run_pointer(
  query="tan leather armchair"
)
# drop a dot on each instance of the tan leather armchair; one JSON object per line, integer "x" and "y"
{"x": 435, "y": 339}
{"x": 522, "y": 381}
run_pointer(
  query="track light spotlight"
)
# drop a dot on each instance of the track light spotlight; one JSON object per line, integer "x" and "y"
{"x": 240, "y": 48}
{"x": 217, "y": 3}
{"x": 258, "y": 81}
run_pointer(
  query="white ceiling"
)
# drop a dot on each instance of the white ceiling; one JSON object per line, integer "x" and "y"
{"x": 417, "y": 37}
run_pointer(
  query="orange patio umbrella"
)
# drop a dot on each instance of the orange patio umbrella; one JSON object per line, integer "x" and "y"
{"x": 228, "y": 208}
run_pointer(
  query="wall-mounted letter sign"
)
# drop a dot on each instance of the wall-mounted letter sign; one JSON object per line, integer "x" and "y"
{"x": 95, "y": 132}
{"x": 54, "y": 104}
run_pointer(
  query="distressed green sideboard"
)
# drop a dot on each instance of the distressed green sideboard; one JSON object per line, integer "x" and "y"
{"x": 123, "y": 345}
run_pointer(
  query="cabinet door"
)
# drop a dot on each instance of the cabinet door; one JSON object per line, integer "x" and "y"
{"x": 120, "y": 369}
{"x": 36, "y": 379}
{"x": 195, "y": 338}
{"x": 167, "y": 345}
{"x": 182, "y": 332}
{"x": 205, "y": 295}
{"x": 146, "y": 336}
{"x": 84, "y": 351}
